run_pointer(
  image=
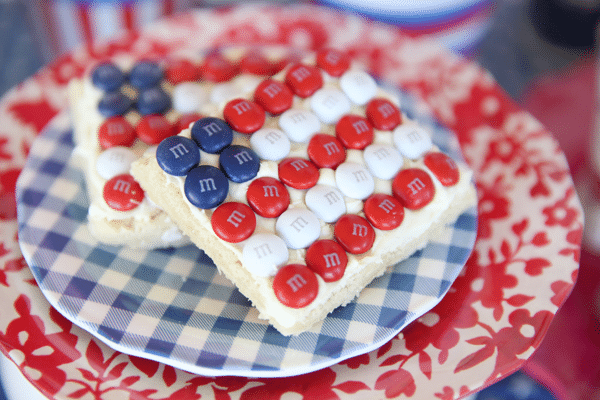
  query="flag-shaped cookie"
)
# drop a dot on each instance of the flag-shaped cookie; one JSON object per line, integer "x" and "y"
{"x": 305, "y": 190}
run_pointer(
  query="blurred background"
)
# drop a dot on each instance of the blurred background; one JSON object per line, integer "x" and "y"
{"x": 544, "y": 53}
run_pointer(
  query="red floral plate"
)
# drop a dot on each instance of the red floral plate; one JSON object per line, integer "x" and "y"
{"x": 523, "y": 266}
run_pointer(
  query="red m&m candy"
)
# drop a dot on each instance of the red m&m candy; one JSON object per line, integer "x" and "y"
{"x": 332, "y": 61}
{"x": 443, "y": 167}
{"x": 295, "y": 285}
{"x": 354, "y": 131}
{"x": 413, "y": 187}
{"x": 354, "y": 233}
{"x": 152, "y": 129}
{"x": 184, "y": 121}
{"x": 244, "y": 116}
{"x": 304, "y": 80}
{"x": 233, "y": 222}
{"x": 328, "y": 259}
{"x": 383, "y": 114}
{"x": 273, "y": 96}
{"x": 326, "y": 151}
{"x": 268, "y": 197}
{"x": 254, "y": 62}
{"x": 298, "y": 173}
{"x": 383, "y": 211}
{"x": 181, "y": 70}
{"x": 116, "y": 131}
{"x": 217, "y": 68}
{"x": 123, "y": 193}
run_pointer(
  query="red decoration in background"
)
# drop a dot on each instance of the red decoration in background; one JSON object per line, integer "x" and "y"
{"x": 34, "y": 113}
{"x": 8, "y": 205}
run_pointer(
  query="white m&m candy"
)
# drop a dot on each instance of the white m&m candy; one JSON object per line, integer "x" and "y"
{"x": 354, "y": 180}
{"x": 382, "y": 160}
{"x": 114, "y": 161}
{"x": 299, "y": 227}
{"x": 270, "y": 144}
{"x": 299, "y": 125}
{"x": 330, "y": 105}
{"x": 223, "y": 92}
{"x": 264, "y": 253}
{"x": 327, "y": 202}
{"x": 359, "y": 86}
{"x": 412, "y": 140}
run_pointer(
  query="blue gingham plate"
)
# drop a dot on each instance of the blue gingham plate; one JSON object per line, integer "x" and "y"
{"x": 172, "y": 306}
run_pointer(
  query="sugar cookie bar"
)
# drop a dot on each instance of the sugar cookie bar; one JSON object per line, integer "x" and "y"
{"x": 307, "y": 189}
{"x": 124, "y": 106}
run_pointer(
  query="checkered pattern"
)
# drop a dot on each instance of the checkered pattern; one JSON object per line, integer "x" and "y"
{"x": 173, "y": 306}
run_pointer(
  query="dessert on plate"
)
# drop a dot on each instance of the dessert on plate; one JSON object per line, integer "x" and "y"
{"x": 123, "y": 106}
{"x": 305, "y": 189}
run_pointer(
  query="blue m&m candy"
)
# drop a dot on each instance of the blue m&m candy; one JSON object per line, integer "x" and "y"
{"x": 239, "y": 163}
{"x": 145, "y": 74}
{"x": 108, "y": 77}
{"x": 176, "y": 155}
{"x": 206, "y": 186}
{"x": 153, "y": 101}
{"x": 113, "y": 104}
{"x": 212, "y": 134}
